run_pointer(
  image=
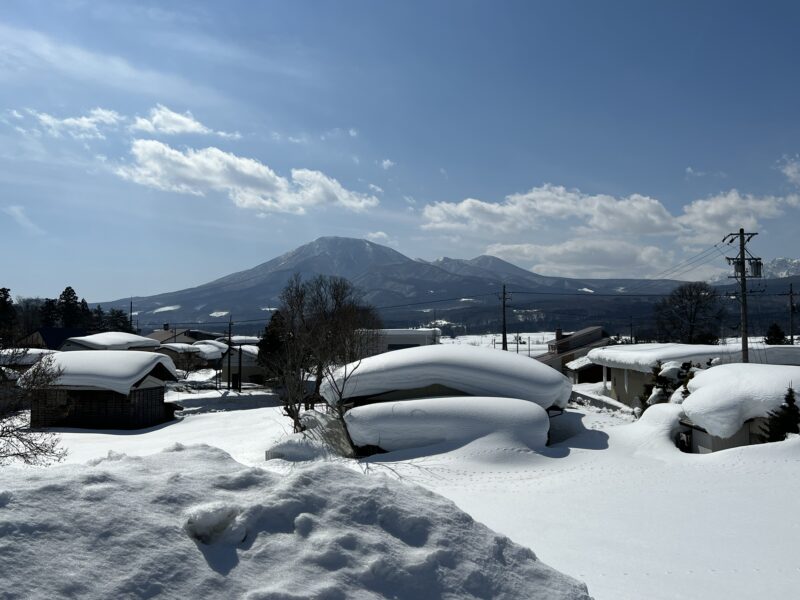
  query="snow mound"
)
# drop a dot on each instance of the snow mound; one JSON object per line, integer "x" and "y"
{"x": 191, "y": 522}
{"x": 473, "y": 371}
{"x": 112, "y": 340}
{"x": 722, "y": 398}
{"x": 115, "y": 370}
{"x": 425, "y": 422}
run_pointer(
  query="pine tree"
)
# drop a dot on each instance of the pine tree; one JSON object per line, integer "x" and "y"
{"x": 775, "y": 336}
{"x": 69, "y": 309}
{"x": 49, "y": 313}
{"x": 99, "y": 319}
{"x": 786, "y": 419}
{"x": 8, "y": 316}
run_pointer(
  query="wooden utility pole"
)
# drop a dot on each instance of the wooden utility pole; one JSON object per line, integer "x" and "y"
{"x": 740, "y": 272}
{"x": 791, "y": 315}
{"x": 230, "y": 330}
{"x": 504, "y": 297}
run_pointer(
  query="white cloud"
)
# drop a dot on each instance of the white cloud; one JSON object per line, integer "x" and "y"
{"x": 375, "y": 188}
{"x": 247, "y": 182}
{"x": 18, "y": 214}
{"x": 709, "y": 219}
{"x": 80, "y": 128}
{"x": 582, "y": 257}
{"x": 443, "y": 172}
{"x": 692, "y": 172}
{"x": 31, "y": 58}
{"x": 790, "y": 167}
{"x": 352, "y": 132}
{"x": 166, "y": 121}
{"x": 632, "y": 214}
{"x": 387, "y": 164}
{"x": 381, "y": 237}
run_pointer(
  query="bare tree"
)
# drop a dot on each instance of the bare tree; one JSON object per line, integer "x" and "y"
{"x": 691, "y": 314}
{"x": 320, "y": 326}
{"x": 18, "y": 442}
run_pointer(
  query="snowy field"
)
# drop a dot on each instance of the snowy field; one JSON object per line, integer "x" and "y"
{"x": 528, "y": 343}
{"x": 611, "y": 503}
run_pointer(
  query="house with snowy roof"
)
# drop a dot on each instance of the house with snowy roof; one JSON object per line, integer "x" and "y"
{"x": 243, "y": 366}
{"x": 628, "y": 369}
{"x": 181, "y": 335}
{"x": 446, "y": 371}
{"x": 110, "y": 340}
{"x": 105, "y": 389}
{"x": 728, "y": 405}
{"x": 565, "y": 349}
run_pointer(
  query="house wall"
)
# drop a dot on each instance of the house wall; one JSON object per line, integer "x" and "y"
{"x": 249, "y": 373}
{"x": 627, "y": 386}
{"x": 98, "y": 409}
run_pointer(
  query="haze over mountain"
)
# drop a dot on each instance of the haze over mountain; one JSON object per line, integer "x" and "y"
{"x": 389, "y": 280}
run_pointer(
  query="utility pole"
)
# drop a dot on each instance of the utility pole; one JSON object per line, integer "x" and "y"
{"x": 504, "y": 297}
{"x": 740, "y": 272}
{"x": 230, "y": 329}
{"x": 130, "y": 315}
{"x": 791, "y": 315}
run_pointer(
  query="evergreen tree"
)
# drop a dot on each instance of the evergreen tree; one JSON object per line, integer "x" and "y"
{"x": 69, "y": 309}
{"x": 118, "y": 320}
{"x": 99, "y": 319}
{"x": 49, "y": 313}
{"x": 87, "y": 318}
{"x": 8, "y": 316}
{"x": 786, "y": 419}
{"x": 273, "y": 339}
{"x": 775, "y": 336}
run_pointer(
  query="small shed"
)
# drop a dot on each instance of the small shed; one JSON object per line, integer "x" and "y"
{"x": 110, "y": 340}
{"x": 105, "y": 389}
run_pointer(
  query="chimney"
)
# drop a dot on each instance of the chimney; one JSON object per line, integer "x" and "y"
{"x": 166, "y": 326}
{"x": 559, "y": 333}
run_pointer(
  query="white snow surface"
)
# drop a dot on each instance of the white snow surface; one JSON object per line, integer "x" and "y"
{"x": 115, "y": 340}
{"x": 181, "y": 348}
{"x": 425, "y": 422}
{"x": 190, "y": 522}
{"x": 578, "y": 363}
{"x": 474, "y": 371}
{"x": 722, "y": 398}
{"x": 23, "y": 357}
{"x": 115, "y": 370}
{"x": 213, "y": 343}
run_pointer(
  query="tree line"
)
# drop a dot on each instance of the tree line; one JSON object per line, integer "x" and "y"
{"x": 22, "y": 316}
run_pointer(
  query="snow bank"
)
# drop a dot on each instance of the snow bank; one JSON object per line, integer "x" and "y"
{"x": 111, "y": 340}
{"x": 22, "y": 357}
{"x": 192, "y": 523}
{"x": 722, "y": 398}
{"x": 418, "y": 423}
{"x": 474, "y": 371}
{"x": 645, "y": 357}
{"x": 115, "y": 370}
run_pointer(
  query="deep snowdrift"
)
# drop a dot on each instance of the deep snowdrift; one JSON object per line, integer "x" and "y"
{"x": 722, "y": 398}
{"x": 192, "y": 523}
{"x": 418, "y": 423}
{"x": 474, "y": 371}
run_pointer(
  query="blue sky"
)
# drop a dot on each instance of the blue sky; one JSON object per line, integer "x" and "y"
{"x": 149, "y": 147}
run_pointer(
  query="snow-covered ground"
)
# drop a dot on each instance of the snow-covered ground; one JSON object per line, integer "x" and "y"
{"x": 610, "y": 502}
{"x": 528, "y": 343}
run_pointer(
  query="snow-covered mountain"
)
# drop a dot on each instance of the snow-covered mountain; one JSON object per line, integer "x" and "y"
{"x": 781, "y": 267}
{"x": 386, "y": 277}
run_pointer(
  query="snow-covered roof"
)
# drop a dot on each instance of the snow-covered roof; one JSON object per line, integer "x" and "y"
{"x": 578, "y": 363}
{"x": 115, "y": 370}
{"x": 238, "y": 340}
{"x": 644, "y": 357}
{"x": 722, "y": 398}
{"x": 474, "y": 371}
{"x": 218, "y": 345}
{"x": 112, "y": 340}
{"x": 419, "y": 423}
{"x": 22, "y": 357}
{"x": 181, "y": 348}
